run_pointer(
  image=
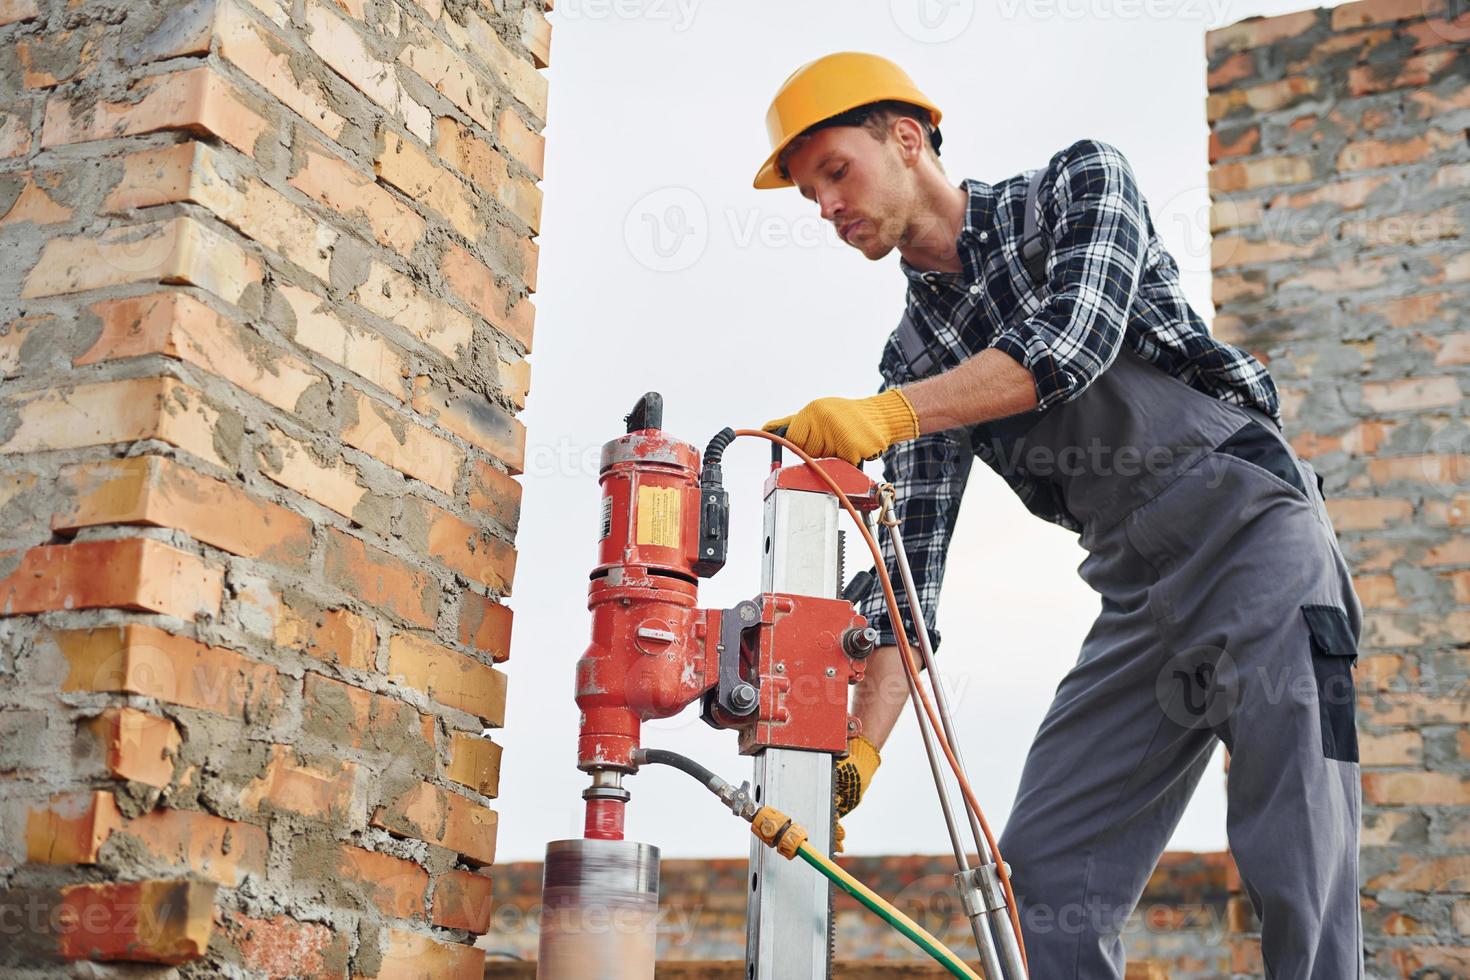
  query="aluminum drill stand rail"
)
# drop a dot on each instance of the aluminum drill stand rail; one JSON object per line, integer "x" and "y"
{"x": 789, "y": 909}
{"x": 981, "y": 894}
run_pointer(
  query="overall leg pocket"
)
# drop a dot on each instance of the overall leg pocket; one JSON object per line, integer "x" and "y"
{"x": 1334, "y": 651}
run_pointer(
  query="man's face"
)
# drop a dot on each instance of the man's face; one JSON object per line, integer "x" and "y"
{"x": 860, "y": 184}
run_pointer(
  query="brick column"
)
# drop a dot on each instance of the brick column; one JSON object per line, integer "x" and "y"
{"x": 264, "y": 276}
{"x": 1341, "y": 185}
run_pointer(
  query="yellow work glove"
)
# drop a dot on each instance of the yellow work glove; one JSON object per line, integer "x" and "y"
{"x": 850, "y": 779}
{"x": 851, "y": 429}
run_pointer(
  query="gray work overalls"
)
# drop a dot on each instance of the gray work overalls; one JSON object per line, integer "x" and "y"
{"x": 1227, "y": 611}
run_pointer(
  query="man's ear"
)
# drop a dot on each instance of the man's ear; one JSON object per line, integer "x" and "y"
{"x": 910, "y": 137}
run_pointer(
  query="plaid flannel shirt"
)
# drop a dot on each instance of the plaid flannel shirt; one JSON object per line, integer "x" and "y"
{"x": 1108, "y": 281}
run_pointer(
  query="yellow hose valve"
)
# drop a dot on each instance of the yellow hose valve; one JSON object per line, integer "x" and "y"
{"x": 778, "y": 830}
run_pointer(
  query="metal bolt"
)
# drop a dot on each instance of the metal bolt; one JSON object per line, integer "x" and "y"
{"x": 747, "y": 612}
{"x": 781, "y": 668}
{"x": 743, "y": 698}
{"x": 709, "y": 551}
{"x": 831, "y": 671}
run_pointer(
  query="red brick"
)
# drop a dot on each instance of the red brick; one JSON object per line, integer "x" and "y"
{"x": 168, "y": 922}
{"x": 380, "y": 580}
{"x": 472, "y": 551}
{"x": 515, "y": 380}
{"x": 124, "y": 573}
{"x": 341, "y": 44}
{"x": 410, "y": 956}
{"x": 437, "y": 816}
{"x": 223, "y": 851}
{"x": 394, "y": 297}
{"x": 1258, "y": 32}
{"x": 1362, "y": 513}
{"x": 1392, "y": 749}
{"x": 393, "y": 439}
{"x": 312, "y": 472}
{"x": 337, "y": 184}
{"x": 521, "y": 142}
{"x": 1433, "y": 33}
{"x": 197, "y": 173}
{"x": 1243, "y": 145}
{"x": 266, "y": 60}
{"x": 331, "y": 635}
{"x": 1428, "y": 468}
{"x": 474, "y": 418}
{"x": 1265, "y": 172}
{"x": 520, "y": 254}
{"x": 158, "y": 492}
{"x": 71, "y": 828}
{"x": 513, "y": 71}
{"x": 1266, "y": 97}
{"x": 321, "y": 790}
{"x": 35, "y": 203}
{"x": 359, "y": 349}
{"x": 1346, "y": 194}
{"x": 48, "y": 59}
{"x": 12, "y": 342}
{"x": 410, "y": 169}
{"x": 1378, "y": 592}
{"x": 348, "y": 715}
{"x": 1411, "y": 394}
{"x": 176, "y": 250}
{"x": 474, "y": 761}
{"x": 280, "y": 948}
{"x": 14, "y": 11}
{"x": 536, "y": 35}
{"x": 138, "y": 659}
{"x": 67, "y": 417}
{"x": 136, "y": 745}
{"x": 15, "y": 125}
{"x": 179, "y": 326}
{"x": 463, "y": 900}
{"x": 1417, "y": 789}
{"x": 1239, "y": 65}
{"x": 1418, "y": 70}
{"x": 448, "y": 677}
{"x": 449, "y": 73}
{"x": 1366, "y": 13}
{"x": 1416, "y": 873}
{"x": 1372, "y": 154}
{"x": 485, "y": 625}
{"x": 494, "y": 494}
{"x": 397, "y": 887}
{"x": 472, "y": 281}
{"x": 196, "y": 100}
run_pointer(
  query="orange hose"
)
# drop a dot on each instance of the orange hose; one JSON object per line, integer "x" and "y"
{"x": 913, "y": 671}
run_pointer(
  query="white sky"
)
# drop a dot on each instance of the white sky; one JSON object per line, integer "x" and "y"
{"x": 662, "y": 269}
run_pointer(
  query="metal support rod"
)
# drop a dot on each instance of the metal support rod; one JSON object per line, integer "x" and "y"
{"x": 999, "y": 918}
{"x": 984, "y": 942}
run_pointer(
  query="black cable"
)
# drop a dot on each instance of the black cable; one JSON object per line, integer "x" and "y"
{"x": 683, "y": 763}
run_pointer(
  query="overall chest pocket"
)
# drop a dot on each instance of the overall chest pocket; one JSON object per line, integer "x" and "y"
{"x": 1334, "y": 651}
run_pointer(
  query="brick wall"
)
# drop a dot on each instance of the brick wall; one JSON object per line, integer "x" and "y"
{"x": 1341, "y": 185}
{"x": 264, "y": 314}
{"x": 1178, "y": 931}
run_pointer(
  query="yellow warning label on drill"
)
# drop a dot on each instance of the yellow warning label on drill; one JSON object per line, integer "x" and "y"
{"x": 658, "y": 516}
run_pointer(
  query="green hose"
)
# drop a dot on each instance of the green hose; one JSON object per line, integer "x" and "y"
{"x": 887, "y": 913}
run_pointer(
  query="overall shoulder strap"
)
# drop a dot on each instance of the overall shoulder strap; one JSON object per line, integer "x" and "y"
{"x": 1033, "y": 245}
{"x": 915, "y": 352}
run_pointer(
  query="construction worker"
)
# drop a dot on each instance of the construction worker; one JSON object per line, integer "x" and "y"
{"x": 1086, "y": 380}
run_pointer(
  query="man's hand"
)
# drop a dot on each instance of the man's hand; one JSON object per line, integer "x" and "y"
{"x": 850, "y": 779}
{"x": 851, "y": 429}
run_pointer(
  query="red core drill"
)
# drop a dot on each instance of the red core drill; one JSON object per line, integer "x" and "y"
{"x": 664, "y": 525}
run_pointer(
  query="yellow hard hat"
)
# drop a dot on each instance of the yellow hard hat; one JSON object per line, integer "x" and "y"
{"x": 823, "y": 88}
